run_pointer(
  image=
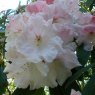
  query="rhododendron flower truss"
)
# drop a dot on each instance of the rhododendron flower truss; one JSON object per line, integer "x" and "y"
{"x": 35, "y": 49}
{"x": 39, "y": 53}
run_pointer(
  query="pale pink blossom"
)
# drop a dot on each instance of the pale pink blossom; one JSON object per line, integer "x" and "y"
{"x": 73, "y": 92}
{"x": 39, "y": 43}
{"x": 71, "y": 6}
{"x": 93, "y": 19}
{"x": 34, "y": 54}
{"x": 17, "y": 23}
{"x": 86, "y": 33}
{"x": 59, "y": 14}
{"x": 66, "y": 32}
{"x": 83, "y": 18}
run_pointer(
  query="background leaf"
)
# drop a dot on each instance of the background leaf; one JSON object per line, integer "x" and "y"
{"x": 82, "y": 54}
{"x": 90, "y": 87}
{"x": 3, "y": 81}
{"x": 19, "y": 91}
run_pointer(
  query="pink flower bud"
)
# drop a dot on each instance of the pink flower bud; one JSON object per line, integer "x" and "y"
{"x": 48, "y": 1}
{"x": 35, "y": 7}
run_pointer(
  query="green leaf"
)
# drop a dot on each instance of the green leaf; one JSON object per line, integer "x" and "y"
{"x": 62, "y": 90}
{"x": 93, "y": 55}
{"x": 74, "y": 86}
{"x": 77, "y": 75}
{"x": 2, "y": 90}
{"x": 39, "y": 92}
{"x": 56, "y": 91}
{"x": 83, "y": 10}
{"x": 26, "y": 91}
{"x": 3, "y": 81}
{"x": 19, "y": 91}
{"x": 90, "y": 87}
{"x": 92, "y": 59}
{"x": 89, "y": 4}
{"x": 83, "y": 55}
{"x": 9, "y": 11}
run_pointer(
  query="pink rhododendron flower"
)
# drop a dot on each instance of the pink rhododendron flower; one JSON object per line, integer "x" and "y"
{"x": 66, "y": 33}
{"x": 17, "y": 23}
{"x": 83, "y": 19}
{"x": 56, "y": 12}
{"x": 47, "y": 1}
{"x": 93, "y": 19}
{"x": 86, "y": 32}
{"x": 35, "y": 7}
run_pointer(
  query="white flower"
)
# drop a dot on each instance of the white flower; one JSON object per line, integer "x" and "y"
{"x": 39, "y": 41}
{"x": 29, "y": 75}
{"x": 17, "y": 24}
{"x": 15, "y": 57}
{"x": 36, "y": 39}
{"x": 68, "y": 58}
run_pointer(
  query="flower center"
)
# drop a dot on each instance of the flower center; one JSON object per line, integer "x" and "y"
{"x": 38, "y": 40}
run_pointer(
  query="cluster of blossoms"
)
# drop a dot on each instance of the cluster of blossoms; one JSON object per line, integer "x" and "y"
{"x": 40, "y": 42}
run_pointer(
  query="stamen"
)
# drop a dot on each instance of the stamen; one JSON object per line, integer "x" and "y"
{"x": 38, "y": 39}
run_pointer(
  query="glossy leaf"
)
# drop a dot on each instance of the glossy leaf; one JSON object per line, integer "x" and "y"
{"x": 77, "y": 75}
{"x": 3, "y": 81}
{"x": 26, "y": 91}
{"x": 83, "y": 55}
{"x": 89, "y": 4}
{"x": 90, "y": 87}
{"x": 62, "y": 90}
